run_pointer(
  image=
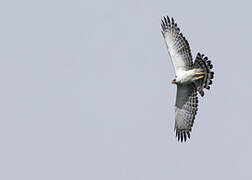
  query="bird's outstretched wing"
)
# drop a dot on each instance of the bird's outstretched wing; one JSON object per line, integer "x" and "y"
{"x": 185, "y": 110}
{"x": 177, "y": 45}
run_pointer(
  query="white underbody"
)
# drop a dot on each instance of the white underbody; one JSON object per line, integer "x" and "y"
{"x": 186, "y": 77}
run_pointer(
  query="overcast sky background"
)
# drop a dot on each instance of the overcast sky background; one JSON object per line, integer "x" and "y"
{"x": 86, "y": 91}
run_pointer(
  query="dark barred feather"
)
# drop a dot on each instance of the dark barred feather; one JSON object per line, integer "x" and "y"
{"x": 186, "y": 110}
{"x": 202, "y": 62}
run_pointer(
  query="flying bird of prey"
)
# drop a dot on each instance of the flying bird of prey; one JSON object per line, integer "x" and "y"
{"x": 190, "y": 77}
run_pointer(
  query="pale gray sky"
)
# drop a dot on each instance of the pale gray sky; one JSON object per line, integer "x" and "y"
{"x": 86, "y": 93}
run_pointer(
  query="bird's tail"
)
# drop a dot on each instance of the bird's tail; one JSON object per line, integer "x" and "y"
{"x": 202, "y": 62}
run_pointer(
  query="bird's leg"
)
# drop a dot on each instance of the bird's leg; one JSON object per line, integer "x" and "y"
{"x": 200, "y": 75}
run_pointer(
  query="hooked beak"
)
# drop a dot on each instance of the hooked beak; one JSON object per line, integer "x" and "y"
{"x": 173, "y": 81}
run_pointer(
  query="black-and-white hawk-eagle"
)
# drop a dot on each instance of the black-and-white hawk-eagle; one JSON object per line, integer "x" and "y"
{"x": 190, "y": 77}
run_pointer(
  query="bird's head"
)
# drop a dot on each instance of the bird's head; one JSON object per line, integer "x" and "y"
{"x": 174, "y": 81}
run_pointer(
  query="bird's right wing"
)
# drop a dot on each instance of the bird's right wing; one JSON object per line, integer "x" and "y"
{"x": 185, "y": 110}
{"x": 177, "y": 45}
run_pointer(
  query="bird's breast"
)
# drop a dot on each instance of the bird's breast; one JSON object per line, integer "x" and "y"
{"x": 185, "y": 77}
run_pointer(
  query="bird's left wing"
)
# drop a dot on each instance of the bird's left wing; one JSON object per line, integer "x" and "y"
{"x": 177, "y": 45}
{"x": 185, "y": 110}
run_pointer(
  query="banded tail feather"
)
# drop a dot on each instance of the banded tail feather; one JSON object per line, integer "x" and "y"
{"x": 202, "y": 62}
